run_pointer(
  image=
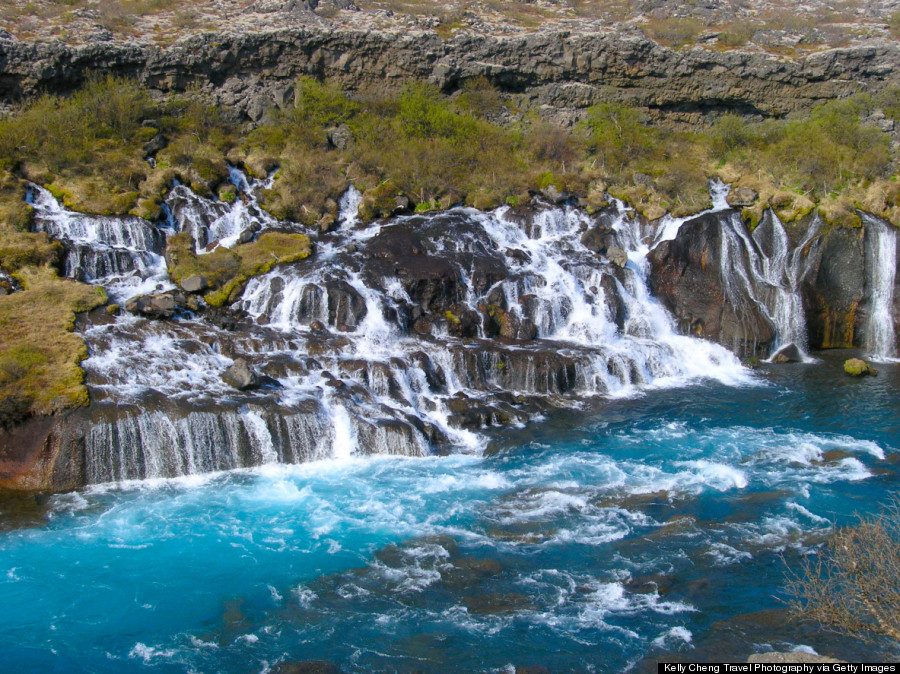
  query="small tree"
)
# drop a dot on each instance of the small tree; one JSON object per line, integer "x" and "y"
{"x": 851, "y": 585}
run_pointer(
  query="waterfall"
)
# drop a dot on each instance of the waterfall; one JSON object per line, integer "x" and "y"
{"x": 780, "y": 274}
{"x": 406, "y": 336}
{"x": 124, "y": 254}
{"x": 761, "y": 273}
{"x": 212, "y": 222}
{"x": 881, "y": 267}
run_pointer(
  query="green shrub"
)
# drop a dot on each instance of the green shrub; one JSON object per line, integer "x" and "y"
{"x": 618, "y": 136}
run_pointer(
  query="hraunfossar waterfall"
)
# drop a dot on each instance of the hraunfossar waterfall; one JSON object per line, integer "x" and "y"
{"x": 410, "y": 339}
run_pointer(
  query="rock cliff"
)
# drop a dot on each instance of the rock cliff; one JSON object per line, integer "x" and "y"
{"x": 563, "y": 70}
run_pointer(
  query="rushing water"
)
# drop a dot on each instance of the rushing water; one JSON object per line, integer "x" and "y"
{"x": 637, "y": 504}
{"x": 881, "y": 340}
{"x": 650, "y": 527}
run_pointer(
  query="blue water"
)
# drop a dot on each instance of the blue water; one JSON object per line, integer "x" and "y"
{"x": 657, "y": 526}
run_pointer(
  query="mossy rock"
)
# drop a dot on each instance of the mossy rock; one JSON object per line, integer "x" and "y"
{"x": 226, "y": 271}
{"x": 39, "y": 355}
{"x": 840, "y": 213}
{"x": 228, "y": 193}
{"x": 857, "y": 367}
{"x": 382, "y": 201}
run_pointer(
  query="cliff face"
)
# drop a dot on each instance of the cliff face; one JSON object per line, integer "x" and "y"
{"x": 565, "y": 71}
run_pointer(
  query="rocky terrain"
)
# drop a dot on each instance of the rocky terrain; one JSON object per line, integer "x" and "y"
{"x": 246, "y": 57}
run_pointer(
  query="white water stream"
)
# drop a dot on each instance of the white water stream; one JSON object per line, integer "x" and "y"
{"x": 371, "y": 383}
{"x": 881, "y": 339}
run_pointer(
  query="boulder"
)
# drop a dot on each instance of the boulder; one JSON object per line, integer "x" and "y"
{"x": 340, "y": 137}
{"x": 156, "y": 305}
{"x": 789, "y": 353}
{"x": 741, "y": 197}
{"x": 194, "y": 284}
{"x": 598, "y": 239}
{"x": 382, "y": 201}
{"x": 617, "y": 256}
{"x": 241, "y": 376}
{"x": 857, "y": 367}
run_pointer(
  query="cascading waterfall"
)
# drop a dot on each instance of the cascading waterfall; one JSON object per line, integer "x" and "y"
{"x": 397, "y": 337}
{"x": 124, "y": 254}
{"x": 881, "y": 240}
{"x": 780, "y": 272}
{"x": 760, "y": 271}
{"x": 212, "y": 222}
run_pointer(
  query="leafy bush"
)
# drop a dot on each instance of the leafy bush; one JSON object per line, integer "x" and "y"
{"x": 617, "y": 135}
{"x": 95, "y": 131}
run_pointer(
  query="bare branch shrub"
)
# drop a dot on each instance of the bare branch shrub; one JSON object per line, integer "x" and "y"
{"x": 851, "y": 586}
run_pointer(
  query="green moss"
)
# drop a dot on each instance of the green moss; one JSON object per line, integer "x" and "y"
{"x": 857, "y": 367}
{"x": 39, "y": 355}
{"x": 380, "y": 201}
{"x": 227, "y": 270}
{"x": 228, "y": 194}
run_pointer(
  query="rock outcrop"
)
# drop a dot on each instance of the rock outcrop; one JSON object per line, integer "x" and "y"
{"x": 688, "y": 275}
{"x": 833, "y": 294}
{"x": 249, "y": 72}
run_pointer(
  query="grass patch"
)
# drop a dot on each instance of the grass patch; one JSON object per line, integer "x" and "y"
{"x": 227, "y": 270}
{"x": 39, "y": 355}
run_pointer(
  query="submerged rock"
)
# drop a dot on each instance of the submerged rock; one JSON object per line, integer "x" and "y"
{"x": 793, "y": 656}
{"x": 306, "y": 667}
{"x": 787, "y": 354}
{"x": 856, "y": 367}
{"x": 241, "y": 376}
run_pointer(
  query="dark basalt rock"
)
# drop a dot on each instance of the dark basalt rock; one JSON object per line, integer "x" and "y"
{"x": 44, "y": 453}
{"x": 241, "y": 376}
{"x": 687, "y": 277}
{"x": 598, "y": 239}
{"x": 833, "y": 293}
{"x": 787, "y": 354}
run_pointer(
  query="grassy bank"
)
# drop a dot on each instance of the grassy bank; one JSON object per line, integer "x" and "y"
{"x": 475, "y": 148}
{"x": 432, "y": 151}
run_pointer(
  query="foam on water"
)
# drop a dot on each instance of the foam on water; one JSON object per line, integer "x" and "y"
{"x": 556, "y": 539}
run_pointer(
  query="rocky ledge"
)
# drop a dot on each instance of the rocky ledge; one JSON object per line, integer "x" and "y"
{"x": 560, "y": 71}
